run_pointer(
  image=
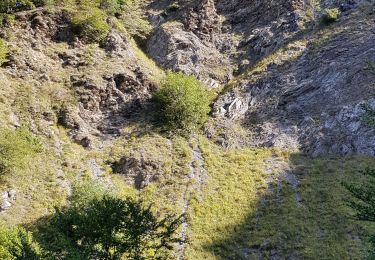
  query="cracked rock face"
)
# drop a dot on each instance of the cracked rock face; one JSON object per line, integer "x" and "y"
{"x": 106, "y": 104}
{"x": 193, "y": 43}
{"x": 179, "y": 50}
{"x": 309, "y": 100}
{"x": 139, "y": 172}
{"x": 312, "y": 104}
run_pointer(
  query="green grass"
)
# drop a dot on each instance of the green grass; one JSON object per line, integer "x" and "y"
{"x": 31, "y": 170}
{"x": 235, "y": 213}
{"x": 321, "y": 227}
{"x": 227, "y": 197}
{"x": 230, "y": 212}
{"x": 174, "y": 158}
{"x": 3, "y": 51}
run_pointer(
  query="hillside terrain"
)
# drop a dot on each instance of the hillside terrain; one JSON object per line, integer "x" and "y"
{"x": 260, "y": 175}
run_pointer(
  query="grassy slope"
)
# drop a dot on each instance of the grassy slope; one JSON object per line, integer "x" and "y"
{"x": 238, "y": 214}
{"x": 238, "y": 218}
{"x": 231, "y": 213}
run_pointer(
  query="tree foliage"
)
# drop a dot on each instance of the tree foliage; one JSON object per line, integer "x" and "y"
{"x": 102, "y": 226}
{"x": 364, "y": 200}
{"x": 182, "y": 103}
{"x": 17, "y": 243}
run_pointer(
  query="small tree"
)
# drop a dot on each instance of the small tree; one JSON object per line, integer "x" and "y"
{"x": 364, "y": 202}
{"x": 107, "y": 227}
{"x": 182, "y": 103}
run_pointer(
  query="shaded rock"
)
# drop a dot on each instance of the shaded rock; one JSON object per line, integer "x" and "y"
{"x": 106, "y": 104}
{"x": 140, "y": 172}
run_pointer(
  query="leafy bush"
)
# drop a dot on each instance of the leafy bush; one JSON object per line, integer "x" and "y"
{"x": 101, "y": 226}
{"x": 15, "y": 148}
{"x": 7, "y": 20}
{"x": 330, "y": 15}
{"x": 3, "y": 52}
{"x": 10, "y": 6}
{"x": 173, "y": 7}
{"x": 111, "y": 6}
{"x": 91, "y": 24}
{"x": 182, "y": 102}
{"x": 17, "y": 243}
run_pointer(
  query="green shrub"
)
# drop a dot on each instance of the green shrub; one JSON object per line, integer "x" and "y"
{"x": 3, "y": 51}
{"x": 111, "y": 6}
{"x": 173, "y": 7}
{"x": 7, "y": 19}
{"x": 17, "y": 243}
{"x": 10, "y": 6}
{"x": 135, "y": 21}
{"x": 16, "y": 146}
{"x": 182, "y": 103}
{"x": 330, "y": 15}
{"x": 91, "y": 24}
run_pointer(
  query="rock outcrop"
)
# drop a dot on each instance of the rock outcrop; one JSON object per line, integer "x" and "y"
{"x": 139, "y": 172}
{"x": 313, "y": 102}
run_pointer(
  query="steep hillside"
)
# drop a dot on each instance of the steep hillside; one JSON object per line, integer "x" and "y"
{"x": 263, "y": 179}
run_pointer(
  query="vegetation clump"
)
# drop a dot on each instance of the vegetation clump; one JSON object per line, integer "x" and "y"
{"x": 173, "y": 7}
{"x": 17, "y": 243}
{"x": 99, "y": 225}
{"x": 91, "y": 25}
{"x": 135, "y": 22}
{"x": 330, "y": 15}
{"x": 10, "y": 6}
{"x": 3, "y": 51}
{"x": 364, "y": 200}
{"x": 182, "y": 103}
{"x": 15, "y": 148}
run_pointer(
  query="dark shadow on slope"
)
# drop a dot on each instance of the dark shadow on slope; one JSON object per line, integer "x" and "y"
{"x": 303, "y": 215}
